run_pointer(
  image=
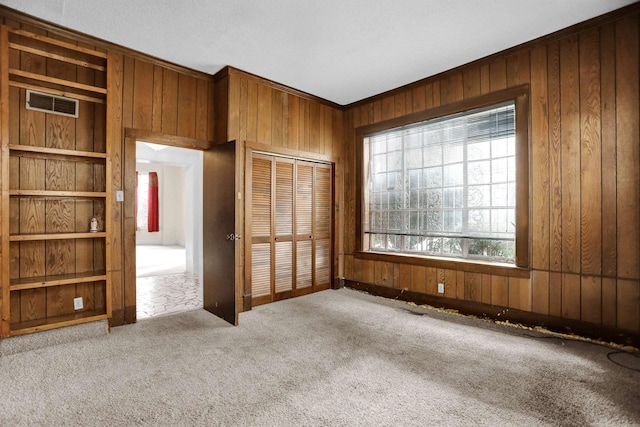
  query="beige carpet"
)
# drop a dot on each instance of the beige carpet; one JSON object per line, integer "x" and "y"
{"x": 335, "y": 358}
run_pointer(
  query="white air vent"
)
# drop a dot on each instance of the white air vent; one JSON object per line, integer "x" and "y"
{"x": 52, "y": 104}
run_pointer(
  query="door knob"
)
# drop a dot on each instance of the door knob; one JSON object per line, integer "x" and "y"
{"x": 233, "y": 236}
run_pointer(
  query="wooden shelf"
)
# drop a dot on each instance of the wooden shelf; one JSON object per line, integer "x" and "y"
{"x": 60, "y": 43}
{"x": 46, "y": 152}
{"x": 58, "y": 280}
{"x": 56, "y": 236}
{"x": 63, "y": 58}
{"x": 58, "y": 194}
{"x": 56, "y": 81}
{"x": 29, "y": 326}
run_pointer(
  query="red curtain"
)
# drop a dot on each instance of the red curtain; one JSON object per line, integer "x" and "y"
{"x": 136, "y": 200}
{"x": 153, "y": 223}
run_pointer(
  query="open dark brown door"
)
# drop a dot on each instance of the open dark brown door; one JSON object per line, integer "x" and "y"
{"x": 219, "y": 203}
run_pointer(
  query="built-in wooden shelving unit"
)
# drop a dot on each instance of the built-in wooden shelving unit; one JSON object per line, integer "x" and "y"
{"x": 55, "y": 179}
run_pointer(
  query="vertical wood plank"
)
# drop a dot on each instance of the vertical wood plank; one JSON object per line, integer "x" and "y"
{"x": 555, "y": 294}
{"x": 473, "y": 287}
{"x": 451, "y": 88}
{"x": 384, "y": 273}
{"x": 143, "y": 95}
{"x": 555, "y": 159}
{"x": 499, "y": 291}
{"x": 418, "y": 98}
{"x": 187, "y": 87}
{"x": 450, "y": 283}
{"x": 497, "y": 74}
{"x": 540, "y": 292}
{"x": 571, "y": 296}
{"x": 609, "y": 301}
{"x": 252, "y": 110}
{"x": 471, "y": 82}
{"x": 628, "y": 151}
{"x": 486, "y": 288}
{"x": 293, "y": 126}
{"x": 264, "y": 114}
{"x": 518, "y": 70}
{"x": 591, "y": 299}
{"x": 628, "y": 307}
{"x": 403, "y": 279}
{"x": 608, "y": 152}
{"x": 126, "y": 96}
{"x": 520, "y": 293}
{"x": 277, "y": 138}
{"x": 202, "y": 108}
{"x": 169, "y": 101}
{"x": 460, "y": 288}
{"x": 315, "y": 119}
{"x": 432, "y": 280}
{"x": 570, "y": 135}
{"x": 590, "y": 155}
{"x": 540, "y": 158}
{"x": 156, "y": 100}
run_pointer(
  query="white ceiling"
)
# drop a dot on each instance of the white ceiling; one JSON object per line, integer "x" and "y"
{"x": 340, "y": 50}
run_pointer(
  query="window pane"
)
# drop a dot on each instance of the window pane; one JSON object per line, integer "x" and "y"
{"x": 446, "y": 186}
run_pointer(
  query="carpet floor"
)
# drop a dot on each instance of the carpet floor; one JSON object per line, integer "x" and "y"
{"x": 334, "y": 358}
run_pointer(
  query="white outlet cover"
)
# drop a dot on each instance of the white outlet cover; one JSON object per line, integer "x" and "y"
{"x": 441, "y": 288}
{"x": 77, "y": 303}
{"x": 119, "y": 196}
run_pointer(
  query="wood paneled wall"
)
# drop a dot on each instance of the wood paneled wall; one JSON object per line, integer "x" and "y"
{"x": 146, "y": 95}
{"x": 584, "y": 179}
{"x": 249, "y": 108}
{"x": 149, "y": 97}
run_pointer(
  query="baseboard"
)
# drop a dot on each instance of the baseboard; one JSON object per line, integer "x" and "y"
{"x": 485, "y": 311}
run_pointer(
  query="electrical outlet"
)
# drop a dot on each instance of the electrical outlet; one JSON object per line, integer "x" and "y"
{"x": 77, "y": 303}
{"x": 441, "y": 288}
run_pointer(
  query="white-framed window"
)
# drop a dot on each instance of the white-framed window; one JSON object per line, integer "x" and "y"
{"x": 443, "y": 187}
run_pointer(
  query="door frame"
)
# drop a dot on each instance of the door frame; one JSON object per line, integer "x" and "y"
{"x": 269, "y": 150}
{"x": 128, "y": 185}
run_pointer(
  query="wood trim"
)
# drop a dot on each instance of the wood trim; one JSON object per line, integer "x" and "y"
{"x": 270, "y": 150}
{"x": 229, "y": 70}
{"x": 470, "y": 266}
{"x": 170, "y": 140}
{"x": 15, "y": 15}
{"x": 4, "y": 183}
{"x": 494, "y": 312}
{"x": 520, "y": 94}
{"x": 553, "y": 37}
{"x": 512, "y": 93}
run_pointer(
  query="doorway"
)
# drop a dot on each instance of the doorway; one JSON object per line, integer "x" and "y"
{"x": 168, "y": 222}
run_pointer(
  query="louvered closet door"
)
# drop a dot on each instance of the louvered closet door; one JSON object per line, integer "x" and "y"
{"x": 291, "y": 225}
{"x": 304, "y": 227}
{"x": 283, "y": 240}
{"x": 261, "y": 229}
{"x": 322, "y": 225}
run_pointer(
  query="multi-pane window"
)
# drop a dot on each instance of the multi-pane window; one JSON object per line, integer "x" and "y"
{"x": 444, "y": 187}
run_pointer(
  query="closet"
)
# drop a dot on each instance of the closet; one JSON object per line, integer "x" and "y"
{"x": 289, "y": 224}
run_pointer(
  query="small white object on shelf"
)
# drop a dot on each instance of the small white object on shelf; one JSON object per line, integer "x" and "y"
{"x": 94, "y": 225}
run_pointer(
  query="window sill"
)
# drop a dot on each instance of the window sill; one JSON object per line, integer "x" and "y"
{"x": 472, "y": 266}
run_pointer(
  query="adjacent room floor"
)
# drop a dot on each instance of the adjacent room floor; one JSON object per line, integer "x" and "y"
{"x": 162, "y": 283}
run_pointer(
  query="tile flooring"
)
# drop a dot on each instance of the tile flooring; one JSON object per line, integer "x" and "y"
{"x": 162, "y": 284}
{"x": 158, "y": 295}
